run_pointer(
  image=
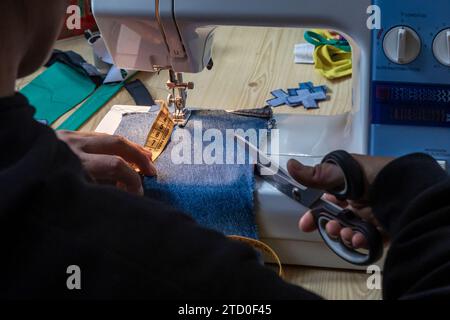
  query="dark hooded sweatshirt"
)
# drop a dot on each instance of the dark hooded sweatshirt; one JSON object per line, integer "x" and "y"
{"x": 52, "y": 217}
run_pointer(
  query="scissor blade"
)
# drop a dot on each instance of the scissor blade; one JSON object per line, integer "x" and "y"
{"x": 307, "y": 197}
{"x": 267, "y": 164}
{"x": 280, "y": 179}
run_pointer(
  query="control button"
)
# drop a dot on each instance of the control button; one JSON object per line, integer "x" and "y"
{"x": 441, "y": 47}
{"x": 402, "y": 45}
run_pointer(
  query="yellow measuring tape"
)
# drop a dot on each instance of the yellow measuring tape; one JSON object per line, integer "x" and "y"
{"x": 161, "y": 131}
{"x": 262, "y": 247}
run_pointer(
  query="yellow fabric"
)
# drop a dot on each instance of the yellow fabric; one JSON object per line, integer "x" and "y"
{"x": 331, "y": 62}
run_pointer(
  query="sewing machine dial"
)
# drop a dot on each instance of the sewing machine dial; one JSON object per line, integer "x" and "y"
{"x": 441, "y": 47}
{"x": 402, "y": 45}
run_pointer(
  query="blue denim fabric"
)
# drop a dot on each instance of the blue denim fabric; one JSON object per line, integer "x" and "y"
{"x": 136, "y": 126}
{"x": 217, "y": 196}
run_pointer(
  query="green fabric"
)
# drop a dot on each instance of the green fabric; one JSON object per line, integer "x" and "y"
{"x": 95, "y": 102}
{"x": 318, "y": 39}
{"x": 57, "y": 90}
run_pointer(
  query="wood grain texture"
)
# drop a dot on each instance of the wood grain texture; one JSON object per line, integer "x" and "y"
{"x": 332, "y": 284}
{"x": 248, "y": 64}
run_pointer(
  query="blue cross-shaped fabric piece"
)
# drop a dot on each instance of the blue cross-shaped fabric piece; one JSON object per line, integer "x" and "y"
{"x": 280, "y": 98}
{"x": 308, "y": 99}
{"x": 292, "y": 92}
{"x": 307, "y": 86}
{"x": 306, "y": 94}
{"x": 301, "y": 86}
{"x": 323, "y": 89}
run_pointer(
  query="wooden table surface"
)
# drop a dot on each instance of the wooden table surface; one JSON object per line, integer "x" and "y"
{"x": 248, "y": 64}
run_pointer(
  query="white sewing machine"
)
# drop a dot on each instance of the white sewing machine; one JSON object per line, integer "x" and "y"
{"x": 153, "y": 35}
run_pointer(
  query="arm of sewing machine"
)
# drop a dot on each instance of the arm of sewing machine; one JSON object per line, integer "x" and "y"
{"x": 177, "y": 35}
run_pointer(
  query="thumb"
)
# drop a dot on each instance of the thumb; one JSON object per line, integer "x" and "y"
{"x": 324, "y": 176}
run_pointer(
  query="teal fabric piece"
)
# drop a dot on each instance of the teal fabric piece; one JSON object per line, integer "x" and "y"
{"x": 95, "y": 102}
{"x": 56, "y": 91}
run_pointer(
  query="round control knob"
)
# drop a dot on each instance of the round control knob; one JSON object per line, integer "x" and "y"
{"x": 441, "y": 47}
{"x": 402, "y": 45}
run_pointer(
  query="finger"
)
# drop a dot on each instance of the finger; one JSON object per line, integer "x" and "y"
{"x": 114, "y": 168}
{"x": 307, "y": 223}
{"x": 119, "y": 146}
{"x": 359, "y": 241}
{"x": 333, "y": 229}
{"x": 325, "y": 176}
{"x": 347, "y": 236}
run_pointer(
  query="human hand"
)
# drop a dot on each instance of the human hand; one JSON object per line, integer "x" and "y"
{"x": 109, "y": 159}
{"x": 328, "y": 176}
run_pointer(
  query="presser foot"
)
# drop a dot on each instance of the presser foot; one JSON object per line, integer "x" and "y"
{"x": 178, "y": 97}
{"x": 180, "y": 114}
{"x": 181, "y": 117}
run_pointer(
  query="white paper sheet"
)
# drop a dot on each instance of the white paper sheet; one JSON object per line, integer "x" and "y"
{"x": 112, "y": 120}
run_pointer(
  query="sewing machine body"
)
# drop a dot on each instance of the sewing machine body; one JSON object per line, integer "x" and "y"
{"x": 410, "y": 102}
{"x": 148, "y": 34}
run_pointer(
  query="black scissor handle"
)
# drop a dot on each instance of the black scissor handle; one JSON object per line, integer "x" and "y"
{"x": 353, "y": 174}
{"x": 347, "y": 218}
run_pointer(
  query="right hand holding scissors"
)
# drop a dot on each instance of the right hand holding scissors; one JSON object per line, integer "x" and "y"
{"x": 327, "y": 176}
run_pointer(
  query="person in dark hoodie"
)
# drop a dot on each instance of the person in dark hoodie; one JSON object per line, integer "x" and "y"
{"x": 55, "y": 214}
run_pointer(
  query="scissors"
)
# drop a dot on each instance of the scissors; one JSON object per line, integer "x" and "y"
{"x": 324, "y": 211}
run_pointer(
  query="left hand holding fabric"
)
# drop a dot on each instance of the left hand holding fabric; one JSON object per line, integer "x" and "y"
{"x": 108, "y": 159}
